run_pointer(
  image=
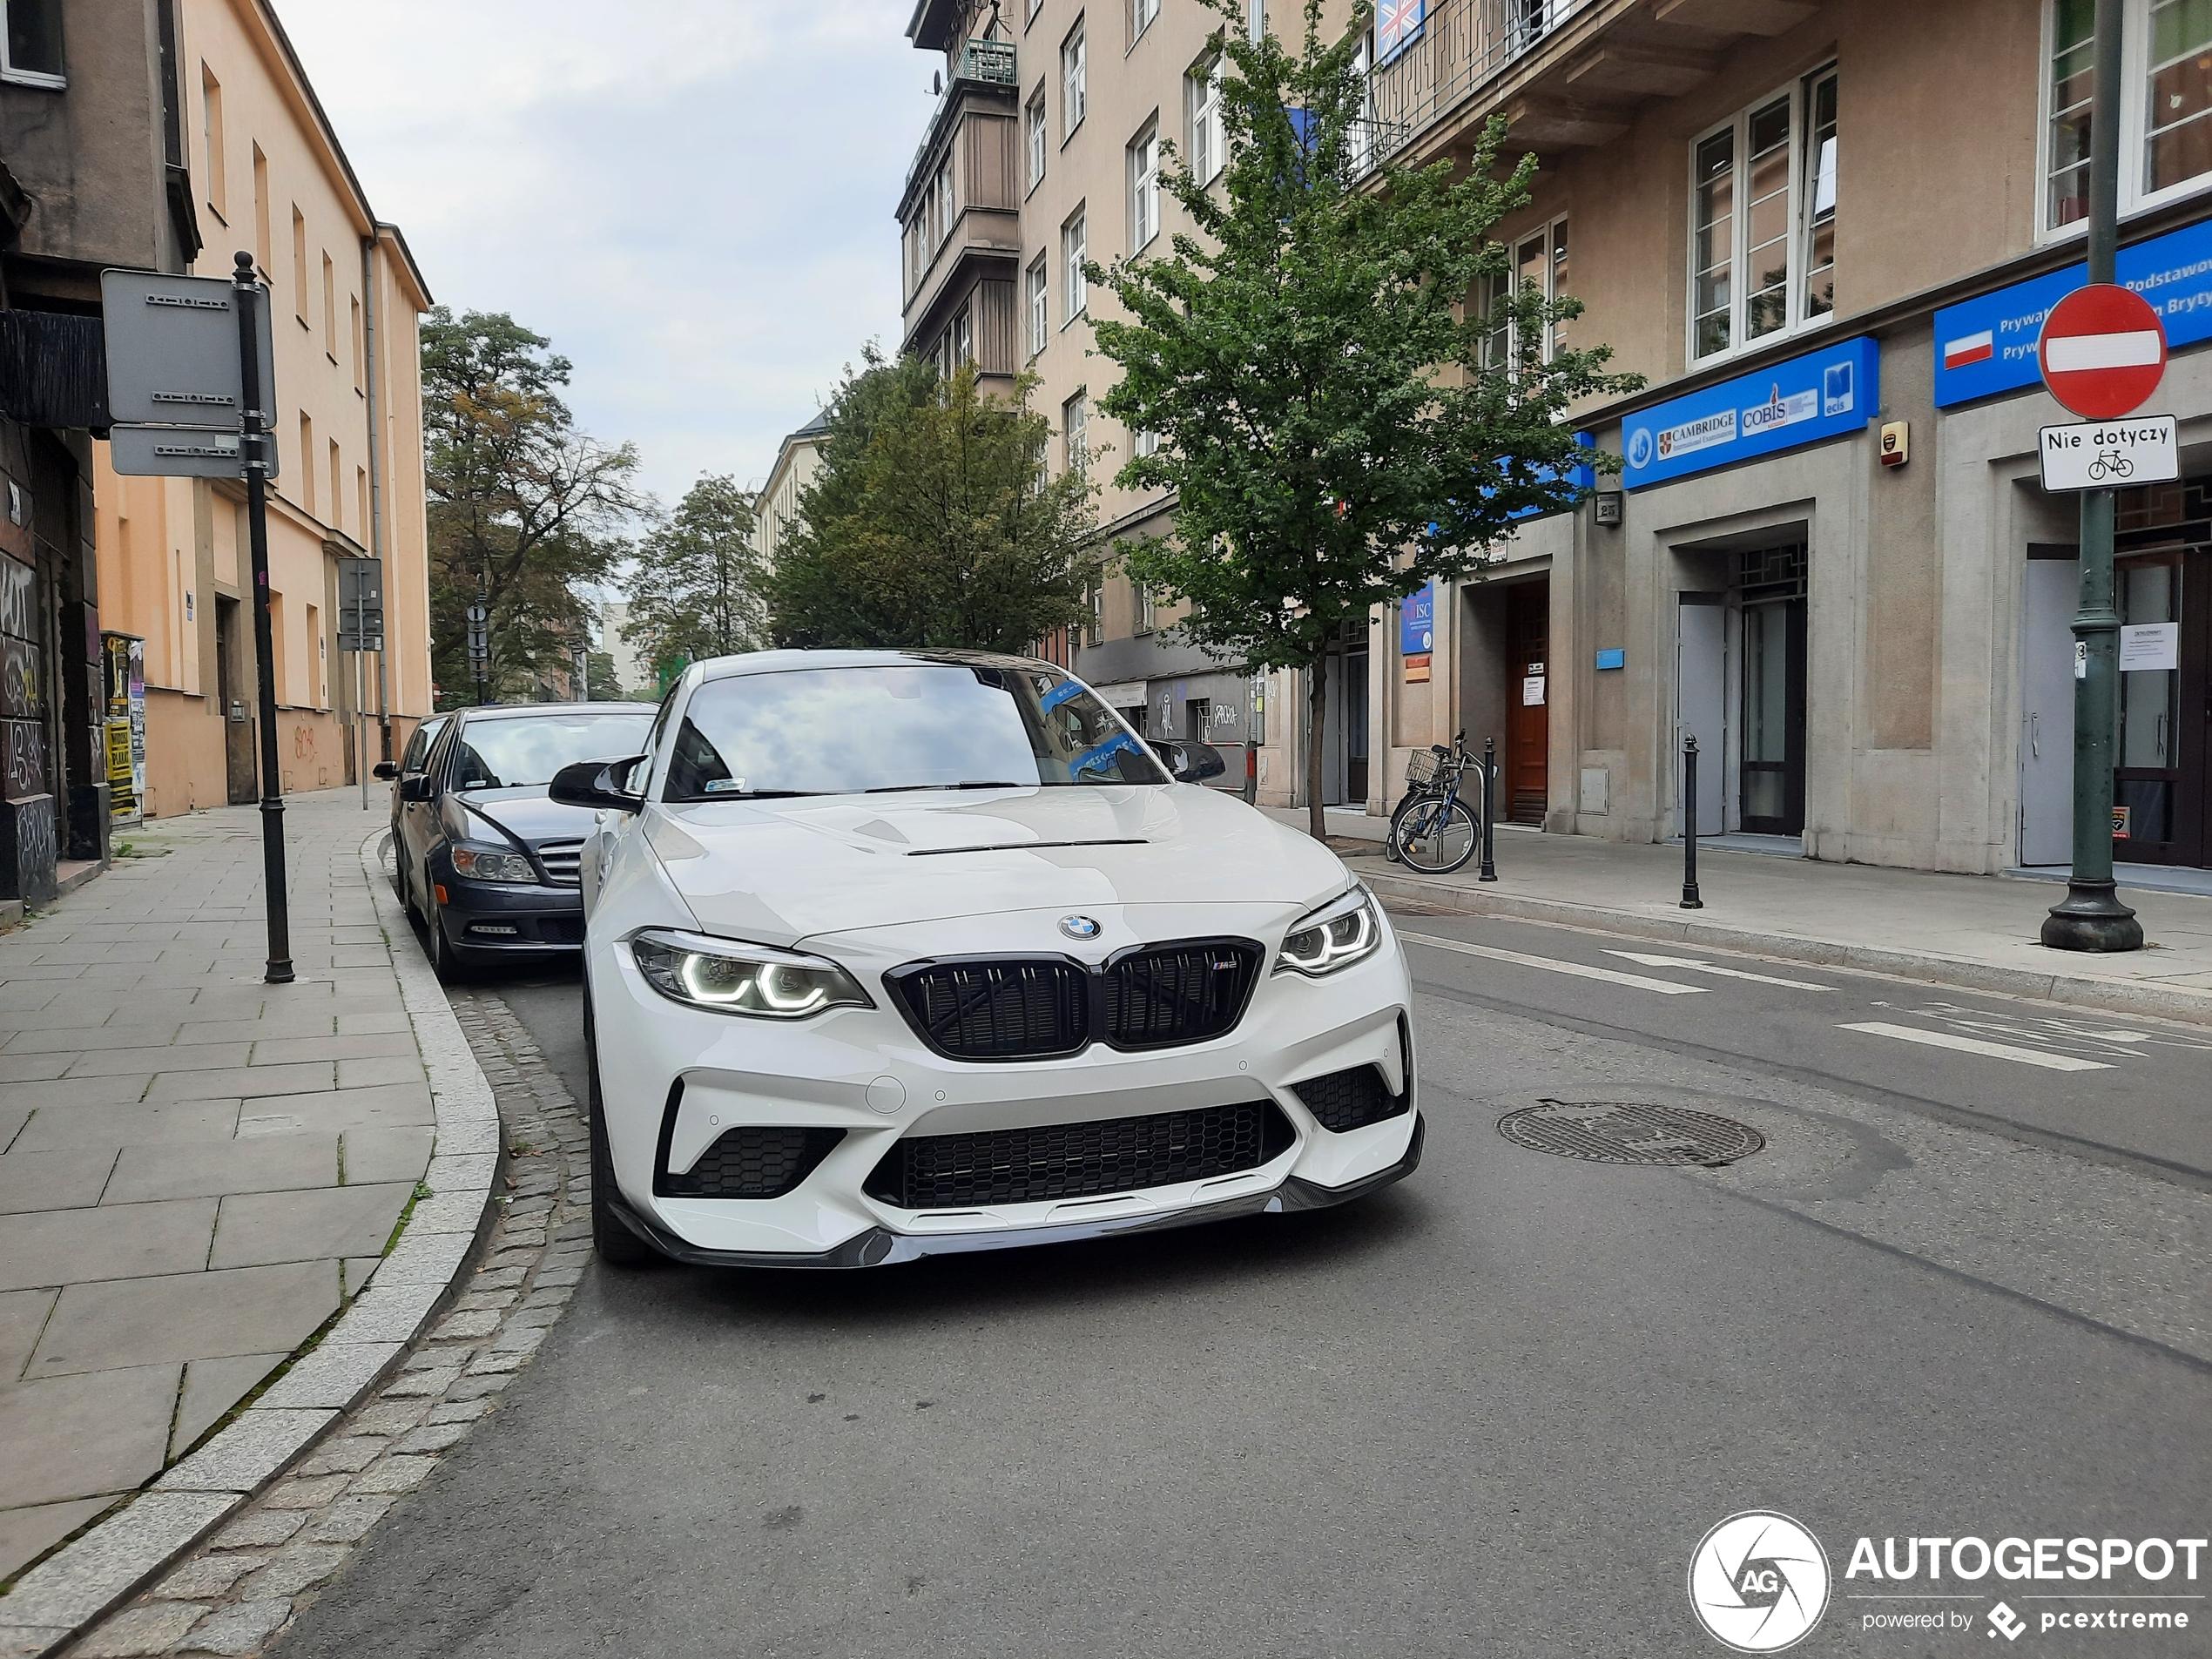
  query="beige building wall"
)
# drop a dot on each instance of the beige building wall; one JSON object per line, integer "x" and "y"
{"x": 269, "y": 177}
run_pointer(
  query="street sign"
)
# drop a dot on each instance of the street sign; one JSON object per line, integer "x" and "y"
{"x": 2110, "y": 454}
{"x": 360, "y": 605}
{"x": 2103, "y": 351}
{"x": 172, "y": 351}
{"x": 173, "y": 452}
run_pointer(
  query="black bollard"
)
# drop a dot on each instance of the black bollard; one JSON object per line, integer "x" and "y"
{"x": 1489, "y": 870}
{"x": 1689, "y": 898}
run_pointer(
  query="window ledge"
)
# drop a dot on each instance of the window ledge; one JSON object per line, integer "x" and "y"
{"x": 1764, "y": 342}
{"x": 33, "y": 77}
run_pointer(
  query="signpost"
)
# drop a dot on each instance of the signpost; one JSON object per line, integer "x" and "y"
{"x": 361, "y": 630}
{"x": 2102, "y": 352}
{"x": 480, "y": 648}
{"x": 191, "y": 388}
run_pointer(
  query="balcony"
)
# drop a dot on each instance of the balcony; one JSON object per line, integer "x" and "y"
{"x": 982, "y": 63}
{"x": 1567, "y": 74}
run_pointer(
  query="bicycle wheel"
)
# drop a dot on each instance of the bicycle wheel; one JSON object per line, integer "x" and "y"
{"x": 1397, "y": 822}
{"x": 1439, "y": 839}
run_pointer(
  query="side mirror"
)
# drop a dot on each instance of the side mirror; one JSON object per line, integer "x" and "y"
{"x": 385, "y": 770}
{"x": 415, "y": 787}
{"x": 1190, "y": 763}
{"x": 596, "y": 785}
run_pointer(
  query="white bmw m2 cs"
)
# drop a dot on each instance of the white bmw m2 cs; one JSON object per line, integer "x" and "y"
{"x": 896, "y": 952}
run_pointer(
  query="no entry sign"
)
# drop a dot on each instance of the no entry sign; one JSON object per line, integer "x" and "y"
{"x": 2103, "y": 351}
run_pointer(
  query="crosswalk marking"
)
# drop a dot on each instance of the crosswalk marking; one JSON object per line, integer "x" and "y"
{"x": 1694, "y": 965}
{"x": 1612, "y": 975}
{"x": 1975, "y": 1045}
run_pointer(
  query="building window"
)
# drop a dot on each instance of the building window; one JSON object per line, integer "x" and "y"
{"x": 1075, "y": 434}
{"x": 337, "y": 488}
{"x": 261, "y": 249}
{"x": 942, "y": 193}
{"x": 31, "y": 52}
{"x": 1141, "y": 13}
{"x": 963, "y": 338}
{"x": 1040, "y": 305}
{"x": 329, "y": 308}
{"x": 299, "y": 264}
{"x": 1073, "y": 252}
{"x": 1538, "y": 265}
{"x": 1145, "y": 442}
{"x": 308, "y": 463}
{"x": 1141, "y": 608}
{"x": 1095, "y": 623}
{"x": 1144, "y": 188}
{"x": 1075, "y": 81}
{"x": 1762, "y": 220}
{"x": 1254, "y": 21}
{"x": 2165, "y": 106}
{"x": 1209, "y": 145}
{"x": 1030, "y": 10}
{"x": 211, "y": 128}
{"x": 360, "y": 362}
{"x": 1034, "y": 118}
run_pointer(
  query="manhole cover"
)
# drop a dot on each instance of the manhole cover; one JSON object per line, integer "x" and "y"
{"x": 1610, "y": 1131}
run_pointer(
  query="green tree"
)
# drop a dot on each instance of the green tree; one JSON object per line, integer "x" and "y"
{"x": 696, "y": 589}
{"x": 523, "y": 508}
{"x": 936, "y": 520}
{"x": 600, "y": 680}
{"x": 1340, "y": 425}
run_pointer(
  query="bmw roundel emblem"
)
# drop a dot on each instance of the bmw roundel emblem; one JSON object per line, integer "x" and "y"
{"x": 1079, "y": 926}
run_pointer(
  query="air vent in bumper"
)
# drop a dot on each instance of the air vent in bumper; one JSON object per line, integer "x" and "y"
{"x": 1350, "y": 1099}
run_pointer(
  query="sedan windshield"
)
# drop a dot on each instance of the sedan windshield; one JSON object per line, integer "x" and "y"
{"x": 524, "y": 750}
{"x": 902, "y": 726}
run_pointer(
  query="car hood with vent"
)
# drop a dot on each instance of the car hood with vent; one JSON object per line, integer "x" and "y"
{"x": 776, "y": 872}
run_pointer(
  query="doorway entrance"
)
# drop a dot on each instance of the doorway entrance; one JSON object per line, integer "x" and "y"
{"x": 240, "y": 774}
{"x": 1771, "y": 762}
{"x": 1527, "y": 770}
{"x": 2162, "y": 785}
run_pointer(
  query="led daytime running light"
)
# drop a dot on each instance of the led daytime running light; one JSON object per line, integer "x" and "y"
{"x": 1340, "y": 932}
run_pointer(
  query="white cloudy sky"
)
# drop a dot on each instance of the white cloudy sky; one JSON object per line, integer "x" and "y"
{"x": 692, "y": 198}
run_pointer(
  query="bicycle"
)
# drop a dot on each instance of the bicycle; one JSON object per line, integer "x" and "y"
{"x": 1434, "y": 830}
{"x": 2111, "y": 462}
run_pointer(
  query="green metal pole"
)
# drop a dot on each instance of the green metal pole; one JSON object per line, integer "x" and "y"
{"x": 2091, "y": 917}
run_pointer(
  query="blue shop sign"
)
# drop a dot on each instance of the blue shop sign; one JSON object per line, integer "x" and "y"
{"x": 1582, "y": 477}
{"x": 1417, "y": 621}
{"x": 1819, "y": 395}
{"x": 1986, "y": 345}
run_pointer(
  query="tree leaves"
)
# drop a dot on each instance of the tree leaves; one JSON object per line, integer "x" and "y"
{"x": 697, "y": 588}
{"x": 522, "y": 507}
{"x": 935, "y": 521}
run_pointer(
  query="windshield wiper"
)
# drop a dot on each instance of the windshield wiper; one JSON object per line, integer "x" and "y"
{"x": 750, "y": 794}
{"x": 966, "y": 783}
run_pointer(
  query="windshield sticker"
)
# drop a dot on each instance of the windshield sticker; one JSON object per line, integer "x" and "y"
{"x": 1060, "y": 694}
{"x": 1094, "y": 759}
{"x": 723, "y": 785}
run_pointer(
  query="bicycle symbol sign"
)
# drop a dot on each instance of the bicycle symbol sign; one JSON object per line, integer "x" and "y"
{"x": 2107, "y": 455}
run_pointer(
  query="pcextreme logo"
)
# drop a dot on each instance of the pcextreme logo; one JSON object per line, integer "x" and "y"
{"x": 1758, "y": 1582}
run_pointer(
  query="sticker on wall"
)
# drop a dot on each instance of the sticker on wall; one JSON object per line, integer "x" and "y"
{"x": 1532, "y": 691}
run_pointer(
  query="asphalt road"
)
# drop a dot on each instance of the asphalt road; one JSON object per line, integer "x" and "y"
{"x": 1491, "y": 1411}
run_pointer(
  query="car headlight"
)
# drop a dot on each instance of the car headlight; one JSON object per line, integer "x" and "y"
{"x": 1342, "y": 932}
{"x": 727, "y": 977}
{"x": 490, "y": 863}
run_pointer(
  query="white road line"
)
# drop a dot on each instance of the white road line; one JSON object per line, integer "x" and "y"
{"x": 1695, "y": 966}
{"x": 1975, "y": 1045}
{"x": 1665, "y": 987}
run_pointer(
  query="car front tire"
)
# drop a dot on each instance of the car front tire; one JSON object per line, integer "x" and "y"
{"x": 446, "y": 960}
{"x": 616, "y": 1245}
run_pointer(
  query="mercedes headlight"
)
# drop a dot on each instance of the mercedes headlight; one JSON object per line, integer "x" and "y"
{"x": 1344, "y": 931}
{"x": 727, "y": 977}
{"x": 490, "y": 863}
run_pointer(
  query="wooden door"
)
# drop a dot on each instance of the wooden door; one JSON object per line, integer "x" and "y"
{"x": 1524, "y": 776}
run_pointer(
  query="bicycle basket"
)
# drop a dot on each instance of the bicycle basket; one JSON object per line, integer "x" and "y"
{"x": 1422, "y": 767}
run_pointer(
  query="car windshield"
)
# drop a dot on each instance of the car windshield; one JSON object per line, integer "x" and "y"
{"x": 901, "y": 726}
{"x": 524, "y": 750}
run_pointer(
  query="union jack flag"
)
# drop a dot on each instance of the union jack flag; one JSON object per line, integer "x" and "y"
{"x": 1396, "y": 24}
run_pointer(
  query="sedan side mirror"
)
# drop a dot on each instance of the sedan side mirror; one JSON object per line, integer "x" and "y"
{"x": 385, "y": 770}
{"x": 415, "y": 787}
{"x": 1190, "y": 763}
{"x": 597, "y": 783}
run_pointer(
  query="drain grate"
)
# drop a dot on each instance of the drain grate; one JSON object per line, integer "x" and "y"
{"x": 1610, "y": 1131}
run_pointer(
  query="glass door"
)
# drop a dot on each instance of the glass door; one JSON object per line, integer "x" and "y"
{"x": 1771, "y": 761}
{"x": 2146, "y": 826}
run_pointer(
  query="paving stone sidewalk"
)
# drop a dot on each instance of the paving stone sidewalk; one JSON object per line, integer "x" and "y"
{"x": 1975, "y": 931}
{"x": 241, "y": 1591}
{"x": 197, "y": 1170}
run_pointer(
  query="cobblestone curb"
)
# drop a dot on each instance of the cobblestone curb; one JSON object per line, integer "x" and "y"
{"x": 2158, "y": 1002}
{"x": 237, "y": 1592}
{"x": 70, "y": 1589}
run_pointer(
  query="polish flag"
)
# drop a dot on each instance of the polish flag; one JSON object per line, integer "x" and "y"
{"x": 1969, "y": 348}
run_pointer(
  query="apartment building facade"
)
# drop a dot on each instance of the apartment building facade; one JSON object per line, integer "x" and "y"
{"x": 1875, "y": 658}
{"x": 268, "y": 175}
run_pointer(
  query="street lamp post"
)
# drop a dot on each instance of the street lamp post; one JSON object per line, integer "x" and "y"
{"x": 2091, "y": 916}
